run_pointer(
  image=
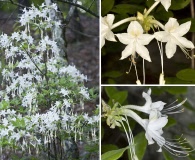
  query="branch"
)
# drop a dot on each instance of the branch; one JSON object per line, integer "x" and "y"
{"x": 79, "y": 6}
{"x": 17, "y": 4}
{"x": 33, "y": 61}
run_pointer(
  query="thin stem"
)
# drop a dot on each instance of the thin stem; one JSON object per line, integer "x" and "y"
{"x": 77, "y": 5}
{"x": 34, "y": 62}
{"x": 158, "y": 23}
{"x": 193, "y": 34}
{"x": 128, "y": 138}
{"x": 131, "y": 136}
{"x": 144, "y": 74}
{"x": 91, "y": 4}
{"x": 123, "y": 21}
{"x": 151, "y": 8}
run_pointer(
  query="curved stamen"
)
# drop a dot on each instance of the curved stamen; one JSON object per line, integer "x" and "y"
{"x": 168, "y": 110}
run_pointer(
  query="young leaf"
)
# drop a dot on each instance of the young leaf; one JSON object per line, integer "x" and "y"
{"x": 114, "y": 154}
{"x": 106, "y": 6}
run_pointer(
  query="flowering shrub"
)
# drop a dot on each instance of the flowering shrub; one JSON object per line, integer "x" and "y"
{"x": 139, "y": 33}
{"x": 40, "y": 93}
{"x": 152, "y": 117}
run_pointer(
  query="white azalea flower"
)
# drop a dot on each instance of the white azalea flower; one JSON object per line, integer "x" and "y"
{"x": 154, "y": 133}
{"x": 165, "y": 3}
{"x": 173, "y": 36}
{"x": 158, "y": 106}
{"x": 106, "y": 26}
{"x": 135, "y": 41}
{"x": 154, "y": 129}
{"x": 148, "y": 106}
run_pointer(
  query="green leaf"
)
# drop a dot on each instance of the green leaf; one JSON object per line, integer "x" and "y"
{"x": 191, "y": 126}
{"x": 110, "y": 91}
{"x": 19, "y": 123}
{"x": 162, "y": 14}
{"x": 112, "y": 74}
{"x": 167, "y": 155}
{"x": 120, "y": 97}
{"x": 108, "y": 147}
{"x": 127, "y": 8}
{"x": 186, "y": 75}
{"x": 192, "y": 27}
{"x": 174, "y": 80}
{"x": 106, "y": 6}
{"x": 4, "y": 105}
{"x": 111, "y": 81}
{"x": 179, "y": 4}
{"x": 114, "y": 154}
{"x": 140, "y": 145}
{"x": 175, "y": 90}
{"x": 171, "y": 122}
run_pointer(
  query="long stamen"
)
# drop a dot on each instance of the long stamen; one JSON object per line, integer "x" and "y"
{"x": 136, "y": 71}
{"x": 167, "y": 110}
{"x": 129, "y": 68}
{"x": 185, "y": 50}
{"x": 174, "y": 147}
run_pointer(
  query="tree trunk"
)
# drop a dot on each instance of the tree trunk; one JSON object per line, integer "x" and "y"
{"x": 58, "y": 33}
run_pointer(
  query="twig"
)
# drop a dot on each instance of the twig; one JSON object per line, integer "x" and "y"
{"x": 91, "y": 4}
{"x": 18, "y": 4}
{"x": 79, "y": 6}
{"x": 33, "y": 62}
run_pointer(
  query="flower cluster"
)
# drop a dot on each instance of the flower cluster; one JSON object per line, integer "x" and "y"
{"x": 137, "y": 36}
{"x": 39, "y": 92}
{"x": 153, "y": 126}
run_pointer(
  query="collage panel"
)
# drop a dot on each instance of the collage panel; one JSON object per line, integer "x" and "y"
{"x": 49, "y": 80}
{"x": 148, "y": 122}
{"x": 147, "y": 42}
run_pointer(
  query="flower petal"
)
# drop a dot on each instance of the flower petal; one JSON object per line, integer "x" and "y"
{"x": 124, "y": 38}
{"x": 158, "y": 105}
{"x": 158, "y": 123}
{"x": 143, "y": 52}
{"x": 110, "y": 36}
{"x": 102, "y": 41}
{"x": 129, "y": 50}
{"x": 161, "y": 36}
{"x": 110, "y": 19}
{"x": 166, "y": 4}
{"x": 186, "y": 43}
{"x": 171, "y": 25}
{"x": 145, "y": 39}
{"x": 183, "y": 29}
{"x": 135, "y": 27}
{"x": 170, "y": 49}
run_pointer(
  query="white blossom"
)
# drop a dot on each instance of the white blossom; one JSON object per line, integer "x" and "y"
{"x": 135, "y": 41}
{"x": 173, "y": 36}
{"x": 106, "y": 27}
